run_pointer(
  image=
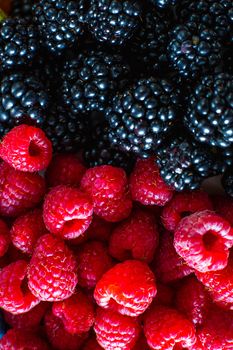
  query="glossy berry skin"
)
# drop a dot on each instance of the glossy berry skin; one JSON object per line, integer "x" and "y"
{"x": 168, "y": 265}
{"x": 165, "y": 327}
{"x": 26, "y": 230}
{"x": 184, "y": 204}
{"x": 19, "y": 191}
{"x": 135, "y": 238}
{"x": 26, "y": 148}
{"x": 76, "y": 313}
{"x": 65, "y": 169}
{"x": 193, "y": 300}
{"x": 22, "y": 8}
{"x": 127, "y": 288}
{"x": 227, "y": 182}
{"x": 67, "y": 211}
{"x": 163, "y": 3}
{"x": 12, "y": 298}
{"x": 146, "y": 184}
{"x": 203, "y": 240}
{"x": 52, "y": 270}
{"x": 18, "y": 339}
{"x": 4, "y": 238}
{"x": 115, "y": 331}
{"x": 93, "y": 261}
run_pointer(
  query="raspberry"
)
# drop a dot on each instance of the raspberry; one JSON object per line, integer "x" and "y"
{"x": 76, "y": 313}
{"x": 4, "y": 238}
{"x": 164, "y": 327}
{"x": 52, "y": 270}
{"x": 15, "y": 339}
{"x": 115, "y": 331}
{"x": 128, "y": 288}
{"x": 15, "y": 296}
{"x": 184, "y": 204}
{"x": 26, "y": 148}
{"x": 99, "y": 229}
{"x": 164, "y": 295}
{"x": 92, "y": 344}
{"x": 220, "y": 284}
{"x": 93, "y": 261}
{"x": 58, "y": 337}
{"x": 193, "y": 300}
{"x": 67, "y": 211}
{"x": 168, "y": 265}
{"x": 19, "y": 191}
{"x": 65, "y": 169}
{"x": 26, "y": 230}
{"x": 135, "y": 238}
{"x": 203, "y": 240}
{"x": 108, "y": 188}
{"x": 224, "y": 207}
{"x": 146, "y": 184}
{"x": 29, "y": 320}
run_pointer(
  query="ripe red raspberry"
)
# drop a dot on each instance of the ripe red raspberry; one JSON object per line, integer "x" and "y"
{"x": 67, "y": 211}
{"x": 184, "y": 204}
{"x": 29, "y": 320}
{"x": 26, "y": 230}
{"x": 93, "y": 261}
{"x": 92, "y": 344}
{"x": 128, "y": 288}
{"x": 224, "y": 207}
{"x": 52, "y": 270}
{"x": 165, "y": 327}
{"x": 26, "y": 148}
{"x": 168, "y": 265}
{"x": 135, "y": 238}
{"x": 15, "y": 296}
{"x": 4, "y": 238}
{"x": 59, "y": 338}
{"x": 76, "y": 313}
{"x": 193, "y": 300}
{"x": 19, "y": 191}
{"x": 115, "y": 331}
{"x": 203, "y": 240}
{"x": 16, "y": 339}
{"x": 99, "y": 229}
{"x": 108, "y": 188}
{"x": 65, "y": 169}
{"x": 146, "y": 184}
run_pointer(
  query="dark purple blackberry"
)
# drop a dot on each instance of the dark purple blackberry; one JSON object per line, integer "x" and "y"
{"x": 227, "y": 181}
{"x": 141, "y": 116}
{"x": 113, "y": 21}
{"x": 184, "y": 164}
{"x": 164, "y": 3}
{"x": 22, "y": 8}
{"x": 59, "y": 23}
{"x": 91, "y": 79}
{"x": 67, "y": 131}
{"x": 100, "y": 151}
{"x": 194, "y": 49}
{"x": 23, "y": 99}
{"x": 19, "y": 43}
{"x": 209, "y": 115}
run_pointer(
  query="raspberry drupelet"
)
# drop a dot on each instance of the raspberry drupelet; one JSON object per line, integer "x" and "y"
{"x": 4, "y": 238}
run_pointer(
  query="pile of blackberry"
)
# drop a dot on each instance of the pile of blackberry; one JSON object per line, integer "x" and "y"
{"x": 122, "y": 79}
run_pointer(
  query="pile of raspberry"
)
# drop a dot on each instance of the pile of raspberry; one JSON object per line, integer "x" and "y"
{"x": 97, "y": 259}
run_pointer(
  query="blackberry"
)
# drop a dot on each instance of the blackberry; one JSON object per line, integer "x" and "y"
{"x": 163, "y": 3}
{"x": 19, "y": 43}
{"x": 210, "y": 110}
{"x": 194, "y": 49}
{"x": 142, "y": 115}
{"x": 59, "y": 23}
{"x": 3, "y": 326}
{"x": 100, "y": 151}
{"x": 23, "y": 99}
{"x": 90, "y": 79}
{"x": 184, "y": 164}
{"x": 22, "y": 8}
{"x": 113, "y": 21}
{"x": 227, "y": 181}
{"x": 67, "y": 131}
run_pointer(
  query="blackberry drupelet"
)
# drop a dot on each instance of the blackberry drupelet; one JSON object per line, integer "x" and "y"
{"x": 59, "y": 22}
{"x": 99, "y": 150}
{"x": 164, "y": 3}
{"x": 19, "y": 43}
{"x": 194, "y": 49}
{"x": 184, "y": 164}
{"x": 22, "y": 8}
{"x": 113, "y": 21}
{"x": 23, "y": 99}
{"x": 142, "y": 116}
{"x": 209, "y": 114}
{"x": 227, "y": 181}
{"x": 67, "y": 132}
{"x": 91, "y": 79}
